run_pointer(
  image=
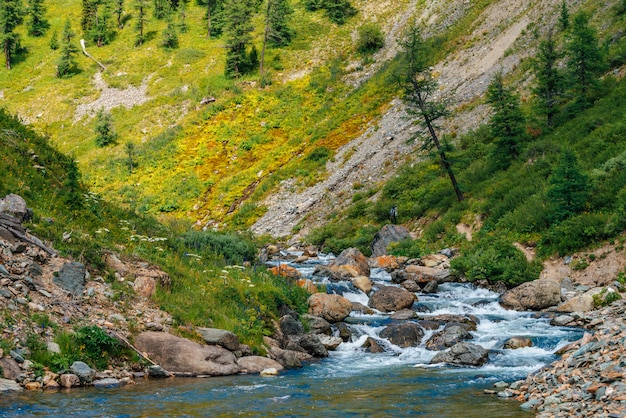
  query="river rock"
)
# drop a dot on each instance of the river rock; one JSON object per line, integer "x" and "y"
{"x": 561, "y": 320}
{"x": 403, "y": 335}
{"x": 430, "y": 325}
{"x": 344, "y": 332}
{"x": 582, "y": 303}
{"x": 32, "y": 386}
{"x": 359, "y": 307}
{"x": 362, "y": 283}
{"x": 403, "y": 315}
{"x": 385, "y": 236}
{"x": 331, "y": 343}
{"x": 256, "y": 364}
{"x": 307, "y": 284}
{"x": 372, "y": 346}
{"x": 221, "y": 337}
{"x": 447, "y": 337}
{"x": 290, "y": 326}
{"x": 435, "y": 260}
{"x": 15, "y": 205}
{"x": 287, "y": 271}
{"x": 353, "y": 258}
{"x": 272, "y": 371}
{"x": 333, "y": 308}
{"x": 7, "y": 385}
{"x": 535, "y": 295}
{"x": 389, "y": 298}
{"x": 431, "y": 287}
{"x": 69, "y": 380}
{"x": 71, "y": 277}
{"x": 107, "y": 383}
{"x": 10, "y": 368}
{"x": 411, "y": 286}
{"x": 514, "y": 343}
{"x": 158, "y": 372}
{"x": 287, "y": 358}
{"x": 185, "y": 357}
{"x": 387, "y": 262}
{"x": 466, "y": 354}
{"x": 317, "y": 325}
{"x": 312, "y": 344}
{"x": 83, "y": 371}
{"x": 422, "y": 274}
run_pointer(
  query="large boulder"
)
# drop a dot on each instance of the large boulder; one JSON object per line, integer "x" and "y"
{"x": 10, "y": 368}
{"x": 287, "y": 358}
{"x": 469, "y": 322}
{"x": 256, "y": 364}
{"x": 317, "y": 325}
{"x": 71, "y": 277}
{"x": 353, "y": 262}
{"x": 312, "y": 345}
{"x": 535, "y": 295}
{"x": 290, "y": 326}
{"x": 362, "y": 283}
{"x": 404, "y": 335}
{"x": 514, "y": 343}
{"x": 83, "y": 371}
{"x": 7, "y": 385}
{"x": 14, "y": 205}
{"x": 389, "y": 298}
{"x": 582, "y": 303}
{"x": 423, "y": 274}
{"x": 462, "y": 354}
{"x": 221, "y": 337}
{"x": 447, "y": 337}
{"x": 184, "y": 357}
{"x": 387, "y": 235}
{"x": 333, "y": 308}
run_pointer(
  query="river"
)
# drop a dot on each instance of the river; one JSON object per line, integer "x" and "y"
{"x": 350, "y": 382}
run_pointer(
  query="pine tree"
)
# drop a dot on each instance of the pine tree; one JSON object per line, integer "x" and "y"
{"x": 89, "y": 15}
{"x": 419, "y": 87}
{"x": 161, "y": 9}
{"x": 169, "y": 38}
{"x": 37, "y": 24}
{"x": 72, "y": 196}
{"x": 130, "y": 156}
{"x": 507, "y": 122}
{"x": 569, "y": 187}
{"x": 119, "y": 11}
{"x": 564, "y": 16}
{"x": 54, "y": 41}
{"x": 239, "y": 27}
{"x": 11, "y": 15}
{"x": 585, "y": 60}
{"x": 214, "y": 15}
{"x": 183, "y": 27}
{"x": 141, "y": 8}
{"x": 66, "y": 65}
{"x": 105, "y": 134}
{"x": 101, "y": 32}
{"x": 279, "y": 33}
{"x": 549, "y": 85}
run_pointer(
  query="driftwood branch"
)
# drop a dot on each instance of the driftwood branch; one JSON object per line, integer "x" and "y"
{"x": 132, "y": 347}
{"x": 82, "y": 44}
{"x": 11, "y": 224}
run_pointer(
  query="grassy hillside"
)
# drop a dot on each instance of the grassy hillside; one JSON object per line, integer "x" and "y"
{"x": 206, "y": 288}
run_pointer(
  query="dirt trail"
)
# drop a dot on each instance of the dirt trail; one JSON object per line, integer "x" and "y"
{"x": 463, "y": 77}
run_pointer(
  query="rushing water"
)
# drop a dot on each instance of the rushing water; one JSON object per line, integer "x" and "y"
{"x": 350, "y": 382}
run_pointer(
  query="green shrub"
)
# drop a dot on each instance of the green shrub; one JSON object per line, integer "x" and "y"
{"x": 494, "y": 258}
{"x": 233, "y": 247}
{"x": 371, "y": 38}
{"x": 407, "y": 247}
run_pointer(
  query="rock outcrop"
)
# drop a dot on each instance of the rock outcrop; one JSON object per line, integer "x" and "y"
{"x": 533, "y": 296}
{"x": 385, "y": 236}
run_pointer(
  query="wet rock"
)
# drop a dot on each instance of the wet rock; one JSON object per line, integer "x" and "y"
{"x": 535, "y": 295}
{"x": 256, "y": 364}
{"x": 411, "y": 286}
{"x": 312, "y": 344}
{"x": 290, "y": 326}
{"x": 431, "y": 287}
{"x": 355, "y": 260}
{"x": 181, "y": 356}
{"x": 107, "y": 383}
{"x": 404, "y": 314}
{"x": 362, "y": 283}
{"x": 317, "y": 325}
{"x": 71, "y": 277}
{"x": 389, "y": 298}
{"x": 272, "y": 371}
{"x": 69, "y": 380}
{"x": 221, "y": 337}
{"x": 582, "y": 303}
{"x": 422, "y": 274}
{"x": 447, "y": 337}
{"x": 359, "y": 307}
{"x": 372, "y": 346}
{"x": 333, "y": 308}
{"x": 403, "y": 335}
{"x": 158, "y": 372}
{"x": 385, "y": 236}
{"x": 331, "y": 343}
{"x": 469, "y": 322}
{"x": 514, "y": 343}
{"x": 7, "y": 385}
{"x": 466, "y": 354}
{"x": 430, "y": 325}
{"x": 344, "y": 332}
{"x": 561, "y": 320}
{"x": 83, "y": 371}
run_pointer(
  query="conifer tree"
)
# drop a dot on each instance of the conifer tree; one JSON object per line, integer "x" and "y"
{"x": 11, "y": 15}
{"x": 238, "y": 18}
{"x": 141, "y": 8}
{"x": 585, "y": 60}
{"x": 214, "y": 16}
{"x": 66, "y": 65}
{"x": 37, "y": 24}
{"x": 54, "y": 41}
{"x": 119, "y": 11}
{"x": 507, "y": 122}
{"x": 101, "y": 32}
{"x": 71, "y": 185}
{"x": 279, "y": 33}
{"x": 161, "y": 8}
{"x": 183, "y": 27}
{"x": 564, "y": 16}
{"x": 569, "y": 187}
{"x": 549, "y": 85}
{"x": 419, "y": 88}
{"x": 169, "y": 38}
{"x": 105, "y": 134}
{"x": 89, "y": 14}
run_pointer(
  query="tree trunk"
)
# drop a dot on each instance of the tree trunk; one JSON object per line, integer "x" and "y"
{"x": 7, "y": 53}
